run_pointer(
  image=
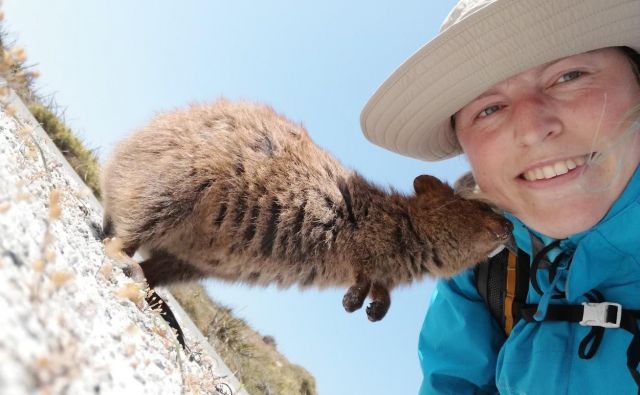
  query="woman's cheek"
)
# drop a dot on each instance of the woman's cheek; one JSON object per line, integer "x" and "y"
{"x": 486, "y": 155}
{"x": 495, "y": 185}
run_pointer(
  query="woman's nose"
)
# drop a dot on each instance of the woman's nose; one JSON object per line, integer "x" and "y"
{"x": 535, "y": 120}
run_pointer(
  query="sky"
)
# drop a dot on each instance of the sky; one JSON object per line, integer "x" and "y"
{"x": 112, "y": 64}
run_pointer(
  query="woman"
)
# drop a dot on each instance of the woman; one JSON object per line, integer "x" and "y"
{"x": 542, "y": 96}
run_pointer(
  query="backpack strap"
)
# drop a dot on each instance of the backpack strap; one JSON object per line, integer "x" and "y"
{"x": 490, "y": 282}
{"x": 503, "y": 283}
{"x": 600, "y": 316}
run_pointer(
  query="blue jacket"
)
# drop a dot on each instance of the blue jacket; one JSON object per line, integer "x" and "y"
{"x": 462, "y": 349}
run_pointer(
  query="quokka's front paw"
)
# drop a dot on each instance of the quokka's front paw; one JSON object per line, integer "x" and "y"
{"x": 376, "y": 310}
{"x": 355, "y": 296}
{"x": 380, "y": 300}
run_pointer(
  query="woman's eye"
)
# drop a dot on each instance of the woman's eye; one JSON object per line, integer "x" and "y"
{"x": 572, "y": 75}
{"x": 488, "y": 111}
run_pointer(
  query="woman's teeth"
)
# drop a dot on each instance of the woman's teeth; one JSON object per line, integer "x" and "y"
{"x": 558, "y": 168}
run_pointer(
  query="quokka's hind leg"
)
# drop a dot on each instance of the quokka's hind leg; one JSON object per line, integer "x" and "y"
{"x": 356, "y": 294}
{"x": 109, "y": 231}
{"x": 163, "y": 268}
{"x": 380, "y": 303}
{"x": 132, "y": 268}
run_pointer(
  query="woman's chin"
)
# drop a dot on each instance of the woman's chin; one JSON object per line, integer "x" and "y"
{"x": 563, "y": 222}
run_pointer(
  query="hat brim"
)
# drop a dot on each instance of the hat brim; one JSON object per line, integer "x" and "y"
{"x": 410, "y": 112}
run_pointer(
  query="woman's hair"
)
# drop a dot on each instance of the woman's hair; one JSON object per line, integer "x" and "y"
{"x": 634, "y": 58}
{"x": 630, "y": 123}
{"x": 467, "y": 188}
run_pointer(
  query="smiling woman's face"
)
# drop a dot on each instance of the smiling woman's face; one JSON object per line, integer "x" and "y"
{"x": 528, "y": 139}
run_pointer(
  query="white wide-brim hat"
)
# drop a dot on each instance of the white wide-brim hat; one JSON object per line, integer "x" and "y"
{"x": 481, "y": 43}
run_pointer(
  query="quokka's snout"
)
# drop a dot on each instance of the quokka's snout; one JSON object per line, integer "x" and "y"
{"x": 238, "y": 192}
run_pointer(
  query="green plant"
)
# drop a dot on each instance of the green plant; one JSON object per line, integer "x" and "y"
{"x": 83, "y": 161}
{"x": 256, "y": 362}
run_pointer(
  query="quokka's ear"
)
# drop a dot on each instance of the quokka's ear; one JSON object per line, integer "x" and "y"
{"x": 430, "y": 184}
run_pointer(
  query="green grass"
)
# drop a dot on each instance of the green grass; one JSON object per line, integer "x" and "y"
{"x": 83, "y": 161}
{"x": 251, "y": 356}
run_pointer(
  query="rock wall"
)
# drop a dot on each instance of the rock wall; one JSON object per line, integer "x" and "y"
{"x": 71, "y": 322}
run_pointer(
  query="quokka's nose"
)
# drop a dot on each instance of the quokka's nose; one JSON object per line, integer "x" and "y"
{"x": 501, "y": 228}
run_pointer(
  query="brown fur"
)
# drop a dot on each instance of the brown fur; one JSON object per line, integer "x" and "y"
{"x": 237, "y": 192}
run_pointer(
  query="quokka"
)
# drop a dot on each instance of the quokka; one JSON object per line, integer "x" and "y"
{"x": 237, "y": 192}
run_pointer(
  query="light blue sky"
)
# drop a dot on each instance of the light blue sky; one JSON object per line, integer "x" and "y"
{"x": 113, "y": 64}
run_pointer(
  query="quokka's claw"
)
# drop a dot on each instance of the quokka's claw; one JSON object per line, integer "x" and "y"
{"x": 354, "y": 297}
{"x": 377, "y": 310}
{"x": 134, "y": 271}
{"x": 381, "y": 301}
